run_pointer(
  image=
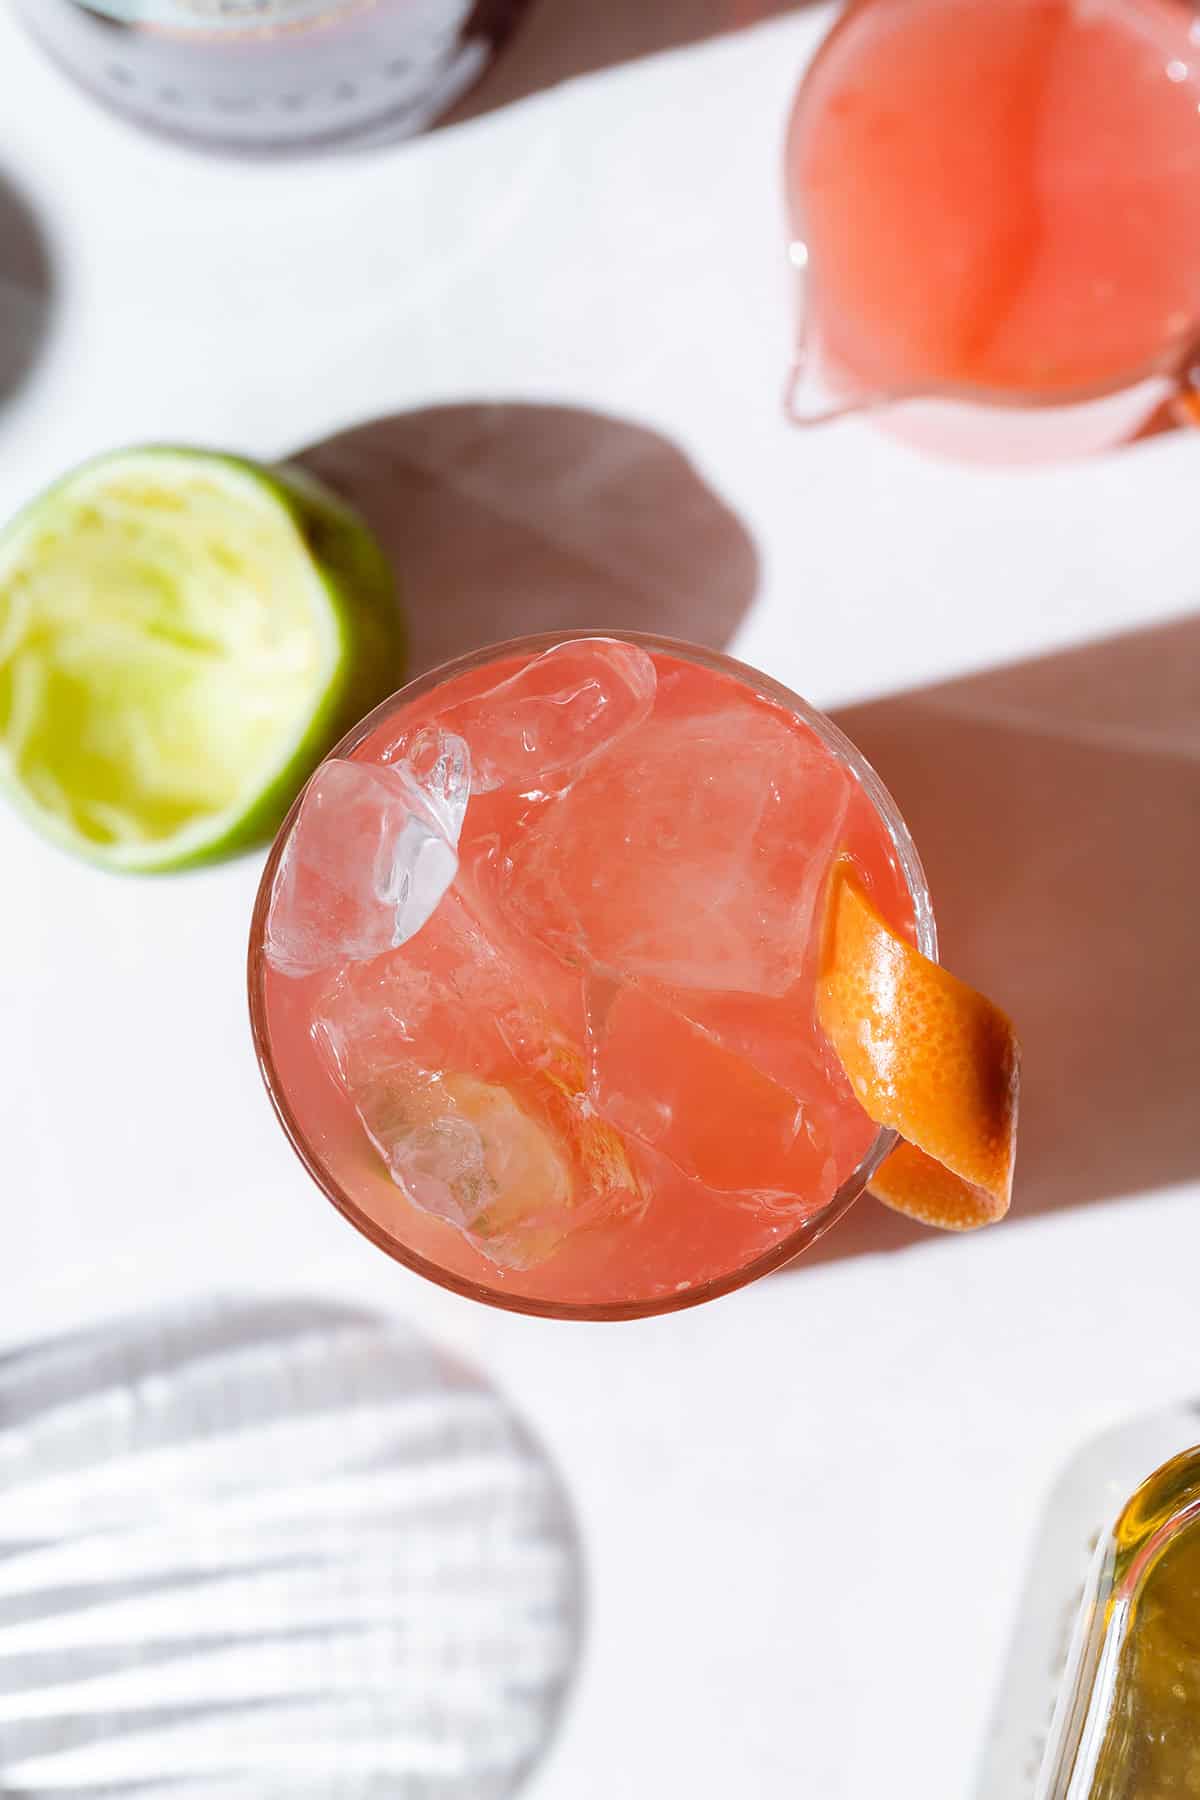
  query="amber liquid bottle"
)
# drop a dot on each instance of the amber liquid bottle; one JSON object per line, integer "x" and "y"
{"x": 275, "y": 75}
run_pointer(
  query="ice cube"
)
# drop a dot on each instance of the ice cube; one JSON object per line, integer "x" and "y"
{"x": 449, "y": 994}
{"x": 471, "y": 1093}
{"x": 537, "y": 729}
{"x": 372, "y": 852}
{"x": 465, "y": 1151}
{"x": 440, "y": 763}
{"x": 661, "y": 1079}
{"x": 693, "y": 855}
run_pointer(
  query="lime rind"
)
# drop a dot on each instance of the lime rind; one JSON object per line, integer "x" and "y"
{"x": 186, "y": 696}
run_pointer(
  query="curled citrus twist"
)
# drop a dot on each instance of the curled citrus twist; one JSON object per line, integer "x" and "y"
{"x": 926, "y": 1056}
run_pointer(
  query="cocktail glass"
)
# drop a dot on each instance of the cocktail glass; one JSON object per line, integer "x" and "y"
{"x": 993, "y": 215}
{"x": 590, "y": 1084}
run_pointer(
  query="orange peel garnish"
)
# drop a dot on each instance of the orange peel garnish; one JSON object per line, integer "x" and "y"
{"x": 926, "y": 1056}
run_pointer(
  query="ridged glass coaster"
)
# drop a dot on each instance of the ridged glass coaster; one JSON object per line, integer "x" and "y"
{"x": 279, "y": 1549}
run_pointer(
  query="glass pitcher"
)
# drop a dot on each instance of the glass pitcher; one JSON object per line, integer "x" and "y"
{"x": 994, "y": 220}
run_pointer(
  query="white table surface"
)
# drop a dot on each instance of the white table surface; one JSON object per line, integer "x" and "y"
{"x": 806, "y": 1509}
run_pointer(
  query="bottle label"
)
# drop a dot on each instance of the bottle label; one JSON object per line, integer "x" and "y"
{"x": 211, "y": 17}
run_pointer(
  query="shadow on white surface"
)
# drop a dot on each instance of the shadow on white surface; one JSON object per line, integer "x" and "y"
{"x": 26, "y": 290}
{"x": 560, "y": 39}
{"x": 1056, "y": 806}
{"x": 274, "y": 1548}
{"x": 507, "y": 519}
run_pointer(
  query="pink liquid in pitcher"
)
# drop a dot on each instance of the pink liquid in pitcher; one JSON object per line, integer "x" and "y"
{"x": 591, "y": 1074}
{"x": 1001, "y": 199}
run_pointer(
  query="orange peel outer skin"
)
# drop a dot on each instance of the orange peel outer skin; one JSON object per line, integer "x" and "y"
{"x": 926, "y": 1056}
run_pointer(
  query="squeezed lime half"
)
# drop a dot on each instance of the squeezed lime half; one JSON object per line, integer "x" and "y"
{"x": 183, "y": 635}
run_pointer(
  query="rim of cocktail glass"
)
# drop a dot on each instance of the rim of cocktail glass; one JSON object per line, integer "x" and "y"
{"x": 809, "y": 1229}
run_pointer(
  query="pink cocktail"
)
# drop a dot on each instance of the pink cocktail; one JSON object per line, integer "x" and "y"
{"x": 533, "y": 967}
{"x": 995, "y": 210}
